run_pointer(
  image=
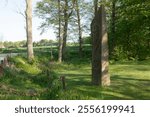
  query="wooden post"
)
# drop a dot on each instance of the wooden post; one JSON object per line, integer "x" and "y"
{"x": 5, "y": 62}
{"x": 1, "y": 68}
{"x": 62, "y": 78}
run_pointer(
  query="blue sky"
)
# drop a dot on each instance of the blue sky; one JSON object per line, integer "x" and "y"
{"x": 12, "y": 23}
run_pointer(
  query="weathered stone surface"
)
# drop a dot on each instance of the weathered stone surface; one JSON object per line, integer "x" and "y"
{"x": 100, "y": 75}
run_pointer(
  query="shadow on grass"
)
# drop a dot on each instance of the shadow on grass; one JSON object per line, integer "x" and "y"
{"x": 121, "y": 87}
{"x": 117, "y": 77}
{"x": 132, "y": 88}
{"x": 143, "y": 69}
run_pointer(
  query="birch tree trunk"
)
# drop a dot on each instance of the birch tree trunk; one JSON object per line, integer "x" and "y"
{"x": 30, "y": 53}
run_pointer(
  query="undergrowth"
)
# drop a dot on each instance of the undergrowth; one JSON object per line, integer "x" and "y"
{"x": 29, "y": 80}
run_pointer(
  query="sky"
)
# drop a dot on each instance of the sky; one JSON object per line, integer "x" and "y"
{"x": 12, "y": 23}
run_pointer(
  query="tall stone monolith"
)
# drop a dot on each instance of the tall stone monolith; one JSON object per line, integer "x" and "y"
{"x": 100, "y": 54}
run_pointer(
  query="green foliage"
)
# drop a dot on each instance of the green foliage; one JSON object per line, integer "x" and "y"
{"x": 132, "y": 30}
{"x": 87, "y": 40}
{"x": 45, "y": 42}
{"x": 119, "y": 54}
{"x": 30, "y": 81}
{"x": 17, "y": 44}
{"x": 30, "y": 68}
{"x": 47, "y": 10}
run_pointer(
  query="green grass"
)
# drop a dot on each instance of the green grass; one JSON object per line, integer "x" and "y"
{"x": 39, "y": 80}
{"x": 130, "y": 80}
{"x": 27, "y": 80}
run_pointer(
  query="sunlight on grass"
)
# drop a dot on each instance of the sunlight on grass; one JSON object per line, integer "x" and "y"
{"x": 115, "y": 94}
{"x": 136, "y": 71}
{"x": 129, "y": 80}
{"x": 26, "y": 67}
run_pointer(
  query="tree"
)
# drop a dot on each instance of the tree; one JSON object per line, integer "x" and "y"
{"x": 59, "y": 34}
{"x": 79, "y": 27}
{"x": 29, "y": 29}
{"x": 100, "y": 75}
{"x": 113, "y": 18}
{"x": 79, "y": 23}
{"x": 56, "y": 14}
{"x": 95, "y": 6}
{"x": 65, "y": 27}
{"x": 67, "y": 12}
{"x": 129, "y": 30}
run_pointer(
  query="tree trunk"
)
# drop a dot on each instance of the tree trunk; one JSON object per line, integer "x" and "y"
{"x": 65, "y": 29}
{"x": 100, "y": 75}
{"x": 59, "y": 35}
{"x": 29, "y": 29}
{"x": 79, "y": 28}
{"x": 113, "y": 17}
{"x": 63, "y": 41}
{"x": 95, "y": 6}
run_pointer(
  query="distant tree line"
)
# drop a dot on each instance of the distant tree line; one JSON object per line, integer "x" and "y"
{"x": 17, "y": 44}
{"x": 23, "y": 43}
{"x": 42, "y": 42}
{"x": 45, "y": 42}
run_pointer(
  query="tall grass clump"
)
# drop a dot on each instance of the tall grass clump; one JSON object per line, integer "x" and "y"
{"x": 33, "y": 80}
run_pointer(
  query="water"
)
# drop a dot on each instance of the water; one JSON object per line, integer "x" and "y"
{"x": 2, "y": 56}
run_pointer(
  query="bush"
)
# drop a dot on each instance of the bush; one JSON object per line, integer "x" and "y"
{"x": 119, "y": 54}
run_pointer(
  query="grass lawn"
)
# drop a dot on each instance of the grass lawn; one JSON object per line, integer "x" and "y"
{"x": 129, "y": 80}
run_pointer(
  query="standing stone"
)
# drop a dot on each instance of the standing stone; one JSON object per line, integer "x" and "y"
{"x": 100, "y": 54}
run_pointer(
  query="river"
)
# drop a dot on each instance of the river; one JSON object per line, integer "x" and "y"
{"x": 4, "y": 55}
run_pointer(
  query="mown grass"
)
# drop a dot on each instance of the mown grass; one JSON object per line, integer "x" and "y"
{"x": 129, "y": 80}
{"x": 39, "y": 80}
